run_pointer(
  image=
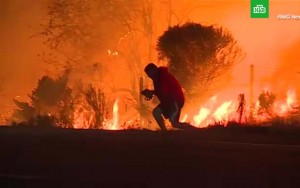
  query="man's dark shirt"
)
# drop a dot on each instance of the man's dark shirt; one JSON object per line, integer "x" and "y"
{"x": 167, "y": 88}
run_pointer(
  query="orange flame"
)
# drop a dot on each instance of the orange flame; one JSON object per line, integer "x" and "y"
{"x": 283, "y": 108}
{"x": 115, "y": 115}
{"x": 223, "y": 112}
{"x": 201, "y": 116}
{"x": 213, "y": 111}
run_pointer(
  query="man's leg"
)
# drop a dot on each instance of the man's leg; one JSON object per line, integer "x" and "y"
{"x": 174, "y": 118}
{"x": 157, "y": 114}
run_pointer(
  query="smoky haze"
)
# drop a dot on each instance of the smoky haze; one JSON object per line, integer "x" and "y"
{"x": 270, "y": 44}
{"x": 19, "y": 65}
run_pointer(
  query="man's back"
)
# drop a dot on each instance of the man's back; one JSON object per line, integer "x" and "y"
{"x": 167, "y": 88}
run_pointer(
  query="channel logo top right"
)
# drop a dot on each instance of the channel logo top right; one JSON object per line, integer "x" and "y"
{"x": 259, "y": 8}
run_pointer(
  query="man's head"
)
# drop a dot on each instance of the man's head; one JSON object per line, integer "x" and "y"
{"x": 151, "y": 70}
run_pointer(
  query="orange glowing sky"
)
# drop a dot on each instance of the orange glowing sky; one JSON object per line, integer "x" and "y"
{"x": 272, "y": 45}
{"x": 264, "y": 41}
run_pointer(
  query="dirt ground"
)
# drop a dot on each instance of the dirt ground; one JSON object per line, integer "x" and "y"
{"x": 215, "y": 157}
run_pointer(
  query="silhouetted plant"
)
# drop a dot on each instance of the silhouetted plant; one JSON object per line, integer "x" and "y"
{"x": 45, "y": 121}
{"x": 241, "y": 107}
{"x": 266, "y": 102}
{"x": 198, "y": 54}
{"x": 51, "y": 98}
{"x": 24, "y": 112}
{"x": 97, "y": 101}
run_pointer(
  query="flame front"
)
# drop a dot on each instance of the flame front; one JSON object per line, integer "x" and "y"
{"x": 215, "y": 111}
{"x": 222, "y": 112}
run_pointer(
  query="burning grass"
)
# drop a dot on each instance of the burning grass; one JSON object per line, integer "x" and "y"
{"x": 213, "y": 113}
{"x": 218, "y": 111}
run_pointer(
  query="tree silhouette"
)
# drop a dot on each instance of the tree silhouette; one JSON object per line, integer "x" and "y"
{"x": 51, "y": 97}
{"x": 198, "y": 54}
{"x": 77, "y": 30}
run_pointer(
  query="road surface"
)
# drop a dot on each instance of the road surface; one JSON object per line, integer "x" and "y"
{"x": 32, "y": 157}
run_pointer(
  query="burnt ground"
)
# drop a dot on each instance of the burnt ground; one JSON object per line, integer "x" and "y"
{"x": 215, "y": 157}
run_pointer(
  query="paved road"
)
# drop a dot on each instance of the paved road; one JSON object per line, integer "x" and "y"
{"x": 70, "y": 158}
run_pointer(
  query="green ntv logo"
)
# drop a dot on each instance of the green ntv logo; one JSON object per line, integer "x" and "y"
{"x": 259, "y": 9}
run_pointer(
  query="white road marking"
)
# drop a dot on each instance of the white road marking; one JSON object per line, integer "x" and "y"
{"x": 254, "y": 144}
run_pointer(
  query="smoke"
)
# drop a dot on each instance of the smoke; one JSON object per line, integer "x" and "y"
{"x": 264, "y": 40}
{"x": 287, "y": 74}
{"x": 270, "y": 45}
{"x": 19, "y": 65}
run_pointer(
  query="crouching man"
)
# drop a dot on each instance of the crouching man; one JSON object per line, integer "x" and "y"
{"x": 169, "y": 92}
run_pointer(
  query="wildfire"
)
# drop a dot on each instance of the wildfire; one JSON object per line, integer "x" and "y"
{"x": 216, "y": 110}
{"x": 213, "y": 111}
{"x": 217, "y": 113}
{"x": 222, "y": 112}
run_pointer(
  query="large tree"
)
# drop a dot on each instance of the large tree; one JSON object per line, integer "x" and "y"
{"x": 198, "y": 54}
